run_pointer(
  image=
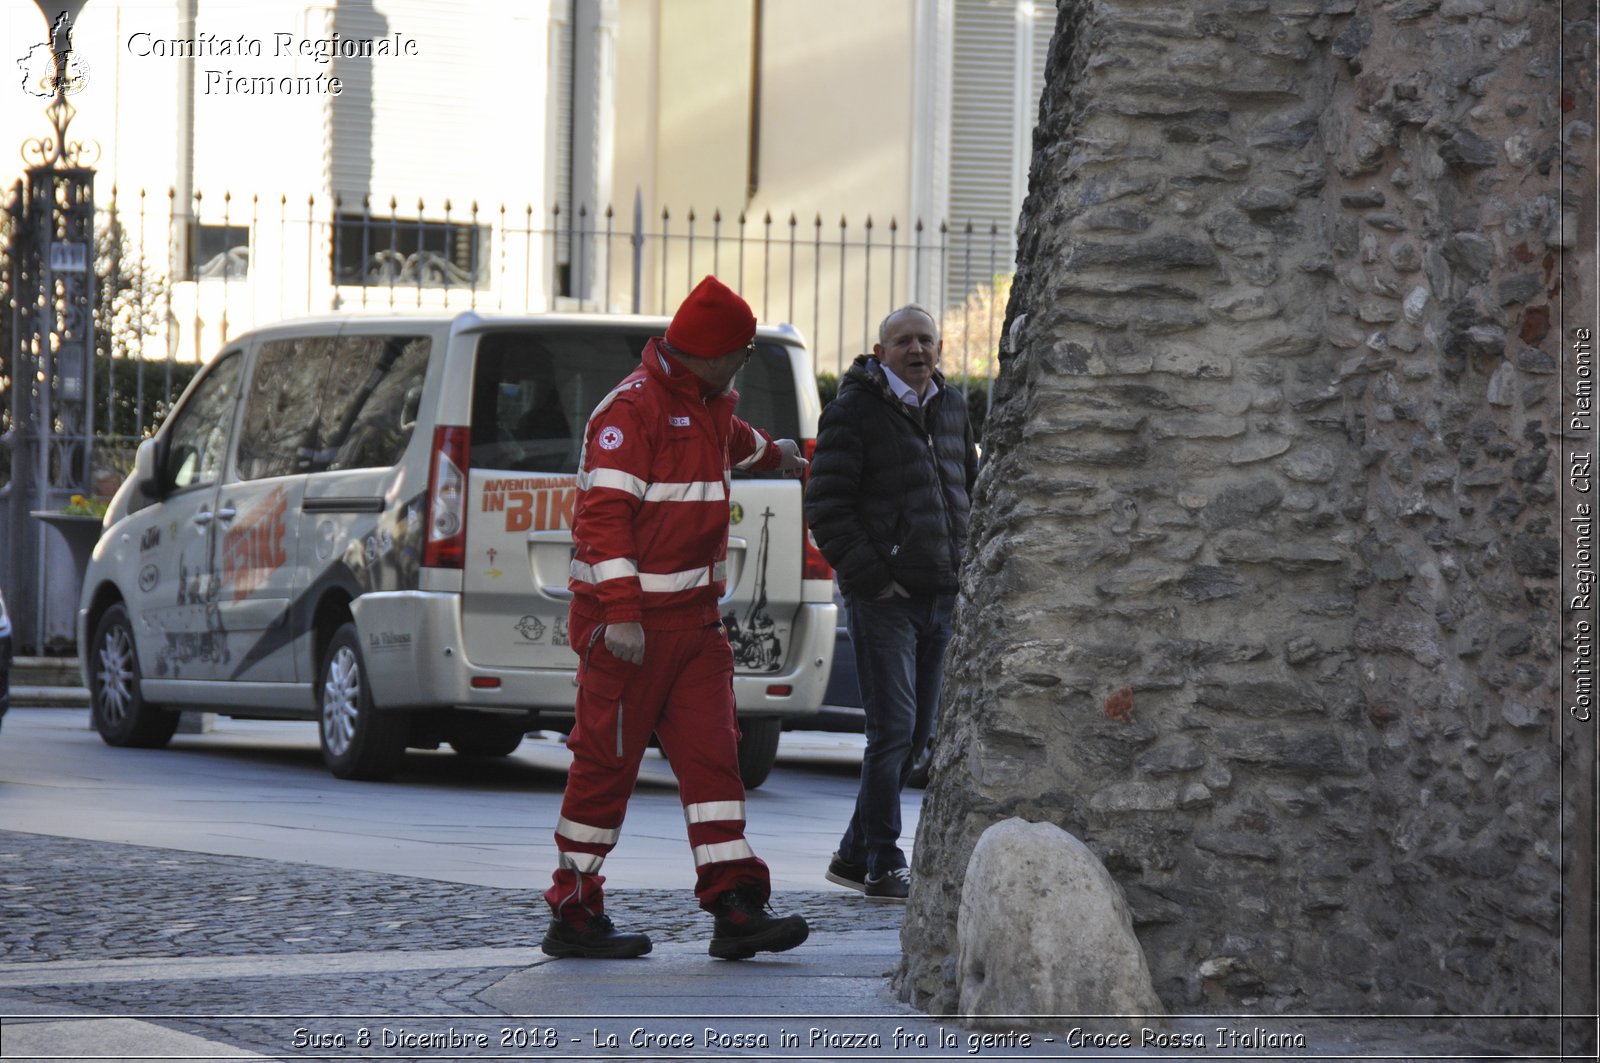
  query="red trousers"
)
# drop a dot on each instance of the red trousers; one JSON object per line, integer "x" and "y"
{"x": 683, "y": 692}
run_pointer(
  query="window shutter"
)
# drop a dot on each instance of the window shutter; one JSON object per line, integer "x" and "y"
{"x": 394, "y": 112}
{"x": 561, "y": 35}
{"x": 991, "y": 124}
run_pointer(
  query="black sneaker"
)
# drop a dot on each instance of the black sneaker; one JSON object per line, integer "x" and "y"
{"x": 891, "y": 887}
{"x": 600, "y": 940}
{"x": 743, "y": 928}
{"x": 847, "y": 874}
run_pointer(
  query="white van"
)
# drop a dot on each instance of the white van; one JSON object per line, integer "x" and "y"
{"x": 366, "y": 521}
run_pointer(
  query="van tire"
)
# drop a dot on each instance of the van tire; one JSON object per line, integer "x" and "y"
{"x": 117, "y": 704}
{"x": 358, "y": 742}
{"x": 758, "y": 749}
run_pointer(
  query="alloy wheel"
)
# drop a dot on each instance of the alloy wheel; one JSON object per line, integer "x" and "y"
{"x": 341, "y": 700}
{"x": 116, "y": 675}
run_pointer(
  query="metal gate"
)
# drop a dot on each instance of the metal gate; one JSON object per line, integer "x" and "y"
{"x": 47, "y": 371}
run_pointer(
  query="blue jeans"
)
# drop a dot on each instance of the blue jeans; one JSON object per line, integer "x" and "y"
{"x": 899, "y": 644}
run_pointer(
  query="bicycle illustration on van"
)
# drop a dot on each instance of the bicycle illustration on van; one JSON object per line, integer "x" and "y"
{"x": 755, "y": 641}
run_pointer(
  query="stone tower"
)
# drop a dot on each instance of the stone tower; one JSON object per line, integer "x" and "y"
{"x": 1277, "y": 447}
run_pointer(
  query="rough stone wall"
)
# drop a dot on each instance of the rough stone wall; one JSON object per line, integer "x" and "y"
{"x": 1272, "y": 449}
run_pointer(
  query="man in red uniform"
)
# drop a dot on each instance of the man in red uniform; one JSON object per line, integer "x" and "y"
{"x": 651, "y": 536}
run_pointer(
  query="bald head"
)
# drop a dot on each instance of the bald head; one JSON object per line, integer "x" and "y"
{"x": 908, "y": 344}
{"x": 909, "y": 308}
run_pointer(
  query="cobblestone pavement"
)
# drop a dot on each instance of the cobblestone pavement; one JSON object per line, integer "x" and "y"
{"x": 65, "y": 899}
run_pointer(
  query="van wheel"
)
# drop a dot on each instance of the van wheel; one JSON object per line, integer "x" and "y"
{"x": 358, "y": 742}
{"x": 758, "y": 749}
{"x": 118, "y": 708}
{"x": 488, "y": 740}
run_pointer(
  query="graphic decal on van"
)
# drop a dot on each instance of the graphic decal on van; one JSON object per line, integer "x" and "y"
{"x": 326, "y": 535}
{"x": 396, "y": 565}
{"x": 182, "y": 647}
{"x": 539, "y": 503}
{"x": 559, "y": 638}
{"x": 755, "y": 641}
{"x": 208, "y": 643}
{"x": 385, "y": 555}
{"x": 253, "y": 550}
{"x": 389, "y": 640}
{"x": 531, "y": 628}
{"x": 188, "y": 590}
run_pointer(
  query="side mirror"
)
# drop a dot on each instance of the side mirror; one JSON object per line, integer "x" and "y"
{"x": 141, "y": 487}
{"x": 147, "y": 470}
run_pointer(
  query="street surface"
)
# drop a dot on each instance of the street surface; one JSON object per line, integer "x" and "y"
{"x": 227, "y": 899}
{"x": 259, "y": 789}
{"x": 227, "y": 886}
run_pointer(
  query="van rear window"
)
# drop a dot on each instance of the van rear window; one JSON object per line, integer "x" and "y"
{"x": 533, "y": 391}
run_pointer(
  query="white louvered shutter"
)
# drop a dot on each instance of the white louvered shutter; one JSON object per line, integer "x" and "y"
{"x": 997, "y": 78}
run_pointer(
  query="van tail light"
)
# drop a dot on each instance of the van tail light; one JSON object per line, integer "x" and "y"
{"x": 812, "y": 564}
{"x": 445, "y": 542}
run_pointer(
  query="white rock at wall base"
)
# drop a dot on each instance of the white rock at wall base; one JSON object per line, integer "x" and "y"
{"x": 1044, "y": 930}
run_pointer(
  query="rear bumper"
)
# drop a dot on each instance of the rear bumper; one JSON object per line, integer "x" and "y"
{"x": 426, "y": 665}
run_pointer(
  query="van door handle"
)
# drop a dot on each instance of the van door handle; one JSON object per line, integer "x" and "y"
{"x": 203, "y": 517}
{"x": 226, "y": 514}
{"x": 561, "y": 593}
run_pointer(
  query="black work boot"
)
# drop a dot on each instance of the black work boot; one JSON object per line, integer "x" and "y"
{"x": 598, "y": 940}
{"x": 743, "y": 927}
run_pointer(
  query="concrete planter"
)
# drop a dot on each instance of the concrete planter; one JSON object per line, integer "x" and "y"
{"x": 64, "y": 575}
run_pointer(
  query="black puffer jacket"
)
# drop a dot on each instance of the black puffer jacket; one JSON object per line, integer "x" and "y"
{"x": 887, "y": 498}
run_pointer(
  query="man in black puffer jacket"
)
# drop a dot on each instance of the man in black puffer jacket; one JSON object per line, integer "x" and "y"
{"x": 888, "y": 499}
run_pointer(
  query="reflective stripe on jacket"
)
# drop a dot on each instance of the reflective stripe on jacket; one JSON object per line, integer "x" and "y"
{"x": 650, "y": 528}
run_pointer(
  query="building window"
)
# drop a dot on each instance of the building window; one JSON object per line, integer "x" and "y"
{"x": 219, "y": 251}
{"x": 429, "y": 254}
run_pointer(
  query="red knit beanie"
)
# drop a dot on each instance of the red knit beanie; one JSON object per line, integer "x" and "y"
{"x": 712, "y": 322}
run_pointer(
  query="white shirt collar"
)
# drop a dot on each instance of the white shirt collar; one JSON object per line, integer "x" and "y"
{"x": 905, "y": 392}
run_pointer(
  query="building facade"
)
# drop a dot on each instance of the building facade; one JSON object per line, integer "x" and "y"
{"x": 266, "y": 160}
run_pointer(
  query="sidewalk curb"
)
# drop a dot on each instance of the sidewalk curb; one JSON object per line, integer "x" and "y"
{"x": 49, "y": 697}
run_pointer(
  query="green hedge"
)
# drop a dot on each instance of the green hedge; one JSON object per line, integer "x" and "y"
{"x": 977, "y": 389}
{"x": 117, "y": 391}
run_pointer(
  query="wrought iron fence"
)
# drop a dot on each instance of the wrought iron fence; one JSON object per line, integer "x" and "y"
{"x": 182, "y": 275}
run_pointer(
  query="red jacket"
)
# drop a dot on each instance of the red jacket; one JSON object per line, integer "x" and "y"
{"x": 650, "y": 528}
